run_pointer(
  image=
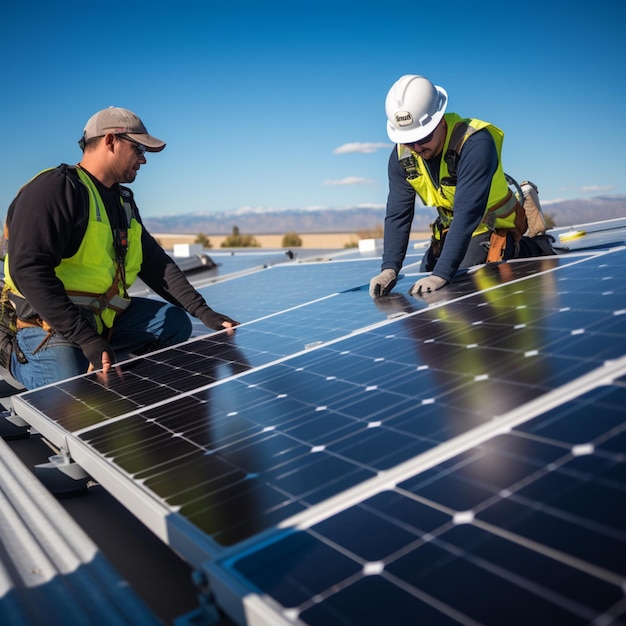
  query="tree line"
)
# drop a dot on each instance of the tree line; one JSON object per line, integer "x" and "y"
{"x": 290, "y": 240}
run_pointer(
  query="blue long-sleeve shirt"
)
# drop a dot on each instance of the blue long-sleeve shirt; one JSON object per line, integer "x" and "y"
{"x": 477, "y": 164}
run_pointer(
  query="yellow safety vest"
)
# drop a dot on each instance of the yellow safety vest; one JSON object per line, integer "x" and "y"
{"x": 92, "y": 277}
{"x": 501, "y": 204}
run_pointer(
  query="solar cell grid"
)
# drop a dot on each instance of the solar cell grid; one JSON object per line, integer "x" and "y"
{"x": 260, "y": 347}
{"x": 296, "y": 429}
{"x": 266, "y": 441}
{"x": 83, "y": 401}
{"x": 535, "y": 520}
{"x": 282, "y": 287}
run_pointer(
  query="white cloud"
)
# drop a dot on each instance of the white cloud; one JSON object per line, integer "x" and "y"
{"x": 361, "y": 148}
{"x": 349, "y": 180}
{"x": 596, "y": 188}
{"x": 370, "y": 205}
{"x": 545, "y": 202}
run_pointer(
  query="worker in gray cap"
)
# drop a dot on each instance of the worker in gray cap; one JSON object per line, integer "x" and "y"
{"x": 76, "y": 244}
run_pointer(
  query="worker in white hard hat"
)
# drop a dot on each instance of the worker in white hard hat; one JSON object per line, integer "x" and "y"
{"x": 453, "y": 164}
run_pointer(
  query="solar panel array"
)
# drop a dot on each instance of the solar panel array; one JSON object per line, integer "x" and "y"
{"x": 339, "y": 460}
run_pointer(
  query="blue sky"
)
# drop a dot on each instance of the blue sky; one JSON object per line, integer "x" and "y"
{"x": 279, "y": 104}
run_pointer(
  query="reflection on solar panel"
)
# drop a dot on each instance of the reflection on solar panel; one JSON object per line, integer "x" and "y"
{"x": 533, "y": 518}
{"x": 347, "y": 461}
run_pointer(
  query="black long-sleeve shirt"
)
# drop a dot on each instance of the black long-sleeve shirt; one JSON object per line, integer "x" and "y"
{"x": 477, "y": 164}
{"x": 47, "y": 222}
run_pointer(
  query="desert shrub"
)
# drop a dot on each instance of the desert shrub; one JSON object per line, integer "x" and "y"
{"x": 237, "y": 240}
{"x": 291, "y": 240}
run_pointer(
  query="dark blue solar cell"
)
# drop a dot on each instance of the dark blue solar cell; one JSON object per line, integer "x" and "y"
{"x": 435, "y": 420}
{"x": 379, "y": 448}
{"x": 406, "y": 512}
{"x": 365, "y": 533}
{"x": 534, "y": 569}
{"x": 248, "y": 499}
{"x": 316, "y": 475}
{"x": 491, "y": 397}
{"x": 578, "y": 537}
{"x": 196, "y": 475}
{"x": 79, "y": 403}
{"x": 556, "y": 370}
{"x": 453, "y": 578}
{"x": 115, "y": 436}
{"x": 135, "y": 445}
{"x": 360, "y": 605}
{"x": 240, "y": 527}
{"x": 297, "y": 567}
{"x": 582, "y": 419}
{"x": 322, "y": 427}
{"x": 469, "y": 480}
{"x": 373, "y": 404}
{"x": 615, "y": 443}
{"x": 569, "y": 491}
{"x": 263, "y": 451}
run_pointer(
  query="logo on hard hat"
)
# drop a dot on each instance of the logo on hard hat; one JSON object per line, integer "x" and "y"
{"x": 403, "y": 118}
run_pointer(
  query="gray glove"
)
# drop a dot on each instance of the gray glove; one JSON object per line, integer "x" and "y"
{"x": 428, "y": 284}
{"x": 382, "y": 284}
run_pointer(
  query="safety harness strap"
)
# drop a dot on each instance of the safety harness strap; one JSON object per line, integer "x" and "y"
{"x": 97, "y": 302}
{"x": 459, "y": 134}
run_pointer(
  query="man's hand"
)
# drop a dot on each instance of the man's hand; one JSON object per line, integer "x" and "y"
{"x": 428, "y": 284}
{"x": 230, "y": 327}
{"x": 99, "y": 354}
{"x": 217, "y": 321}
{"x": 382, "y": 284}
{"x": 106, "y": 363}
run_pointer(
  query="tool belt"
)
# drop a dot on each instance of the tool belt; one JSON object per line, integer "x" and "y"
{"x": 497, "y": 241}
{"x": 39, "y": 323}
{"x": 436, "y": 245}
{"x": 440, "y": 228}
{"x": 33, "y": 321}
{"x": 8, "y": 331}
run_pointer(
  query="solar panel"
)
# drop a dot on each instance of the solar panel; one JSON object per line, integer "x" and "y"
{"x": 282, "y": 287}
{"x": 525, "y": 527}
{"x": 339, "y": 456}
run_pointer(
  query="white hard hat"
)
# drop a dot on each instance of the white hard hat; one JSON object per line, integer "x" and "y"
{"x": 414, "y": 107}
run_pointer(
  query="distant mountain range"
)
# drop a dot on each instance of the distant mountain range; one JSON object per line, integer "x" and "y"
{"x": 355, "y": 219}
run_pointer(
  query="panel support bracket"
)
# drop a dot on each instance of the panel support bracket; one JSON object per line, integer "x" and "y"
{"x": 62, "y": 476}
{"x": 207, "y": 613}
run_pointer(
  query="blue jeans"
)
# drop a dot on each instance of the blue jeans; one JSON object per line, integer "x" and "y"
{"x": 145, "y": 325}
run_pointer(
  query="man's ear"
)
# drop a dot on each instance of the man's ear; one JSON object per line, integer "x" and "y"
{"x": 109, "y": 141}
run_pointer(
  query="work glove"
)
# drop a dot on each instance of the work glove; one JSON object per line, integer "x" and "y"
{"x": 382, "y": 284}
{"x": 428, "y": 284}
{"x": 214, "y": 320}
{"x": 93, "y": 351}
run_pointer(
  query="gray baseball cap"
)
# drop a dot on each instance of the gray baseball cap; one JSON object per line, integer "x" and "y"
{"x": 121, "y": 122}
